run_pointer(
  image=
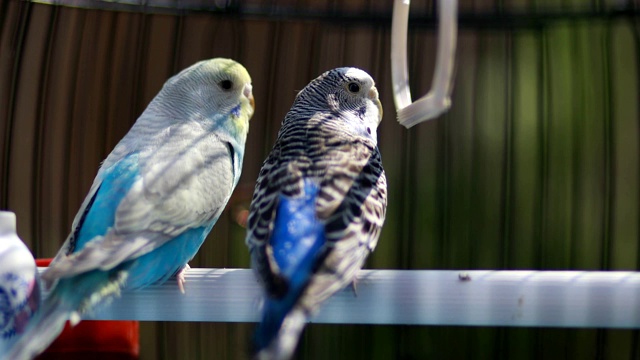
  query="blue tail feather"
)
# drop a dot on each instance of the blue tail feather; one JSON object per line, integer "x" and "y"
{"x": 273, "y": 314}
{"x": 298, "y": 234}
{"x": 297, "y": 241}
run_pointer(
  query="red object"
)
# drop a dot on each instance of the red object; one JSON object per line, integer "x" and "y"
{"x": 94, "y": 339}
{"x": 43, "y": 262}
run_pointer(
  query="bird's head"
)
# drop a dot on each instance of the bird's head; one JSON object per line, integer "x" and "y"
{"x": 347, "y": 91}
{"x": 208, "y": 89}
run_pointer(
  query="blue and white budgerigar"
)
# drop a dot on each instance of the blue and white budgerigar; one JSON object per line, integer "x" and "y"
{"x": 318, "y": 205}
{"x": 155, "y": 197}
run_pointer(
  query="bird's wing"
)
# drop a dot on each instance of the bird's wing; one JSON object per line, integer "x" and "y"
{"x": 140, "y": 204}
{"x": 350, "y": 203}
{"x": 352, "y": 231}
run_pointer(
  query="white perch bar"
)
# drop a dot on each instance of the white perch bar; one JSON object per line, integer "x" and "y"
{"x": 416, "y": 297}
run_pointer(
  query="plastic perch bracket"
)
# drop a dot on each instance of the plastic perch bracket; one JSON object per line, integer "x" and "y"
{"x": 437, "y": 101}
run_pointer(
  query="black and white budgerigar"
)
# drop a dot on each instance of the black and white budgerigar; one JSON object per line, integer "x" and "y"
{"x": 318, "y": 205}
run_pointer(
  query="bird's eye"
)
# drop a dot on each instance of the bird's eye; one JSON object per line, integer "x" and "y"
{"x": 353, "y": 87}
{"x": 226, "y": 84}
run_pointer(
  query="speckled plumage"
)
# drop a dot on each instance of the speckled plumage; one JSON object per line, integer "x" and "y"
{"x": 155, "y": 197}
{"x": 326, "y": 152}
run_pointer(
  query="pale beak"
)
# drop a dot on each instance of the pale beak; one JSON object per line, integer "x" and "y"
{"x": 249, "y": 95}
{"x": 373, "y": 95}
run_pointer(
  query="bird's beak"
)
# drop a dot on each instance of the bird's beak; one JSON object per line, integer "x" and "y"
{"x": 373, "y": 95}
{"x": 248, "y": 93}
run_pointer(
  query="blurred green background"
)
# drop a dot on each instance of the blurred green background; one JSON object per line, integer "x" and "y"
{"x": 536, "y": 166}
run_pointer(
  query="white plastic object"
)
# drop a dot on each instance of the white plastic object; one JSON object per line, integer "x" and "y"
{"x": 602, "y": 299}
{"x": 19, "y": 284}
{"x": 437, "y": 101}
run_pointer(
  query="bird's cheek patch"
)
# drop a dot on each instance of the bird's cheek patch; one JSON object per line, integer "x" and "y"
{"x": 236, "y": 111}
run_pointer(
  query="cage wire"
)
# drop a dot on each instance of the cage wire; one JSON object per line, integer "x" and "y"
{"x": 535, "y": 166}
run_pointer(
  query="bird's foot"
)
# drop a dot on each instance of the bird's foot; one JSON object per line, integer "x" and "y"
{"x": 180, "y": 277}
{"x": 353, "y": 287}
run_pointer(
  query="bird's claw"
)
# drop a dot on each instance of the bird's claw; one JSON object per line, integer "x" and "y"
{"x": 180, "y": 277}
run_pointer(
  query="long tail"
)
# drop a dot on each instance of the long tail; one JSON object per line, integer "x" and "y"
{"x": 277, "y": 335}
{"x": 66, "y": 301}
{"x": 42, "y": 330}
